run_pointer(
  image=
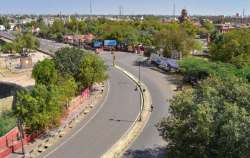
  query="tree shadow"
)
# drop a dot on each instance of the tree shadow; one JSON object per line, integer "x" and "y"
{"x": 158, "y": 152}
{"x": 120, "y": 120}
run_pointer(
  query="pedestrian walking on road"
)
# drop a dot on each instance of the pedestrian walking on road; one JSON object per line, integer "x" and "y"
{"x": 152, "y": 108}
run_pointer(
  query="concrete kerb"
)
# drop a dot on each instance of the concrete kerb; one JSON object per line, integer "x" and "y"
{"x": 137, "y": 127}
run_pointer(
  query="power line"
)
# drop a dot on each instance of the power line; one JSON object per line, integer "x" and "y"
{"x": 174, "y": 9}
{"x": 120, "y": 10}
{"x": 90, "y": 7}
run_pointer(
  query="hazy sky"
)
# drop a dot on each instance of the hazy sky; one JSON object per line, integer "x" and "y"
{"x": 164, "y": 7}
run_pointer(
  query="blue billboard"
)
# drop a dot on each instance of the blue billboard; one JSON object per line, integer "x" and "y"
{"x": 98, "y": 44}
{"x": 110, "y": 43}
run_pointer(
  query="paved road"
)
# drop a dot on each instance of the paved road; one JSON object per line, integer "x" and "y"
{"x": 102, "y": 129}
{"x": 7, "y": 35}
{"x": 47, "y": 46}
{"x": 50, "y": 46}
{"x": 149, "y": 144}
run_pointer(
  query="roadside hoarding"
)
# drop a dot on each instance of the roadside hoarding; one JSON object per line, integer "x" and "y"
{"x": 98, "y": 44}
{"x": 111, "y": 43}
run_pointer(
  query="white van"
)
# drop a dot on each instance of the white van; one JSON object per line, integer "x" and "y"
{"x": 2, "y": 28}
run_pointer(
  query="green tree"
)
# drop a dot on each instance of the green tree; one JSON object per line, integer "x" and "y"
{"x": 57, "y": 27}
{"x": 92, "y": 69}
{"x": 211, "y": 120}
{"x": 67, "y": 88}
{"x": 174, "y": 40}
{"x": 120, "y": 31}
{"x": 199, "y": 69}
{"x": 5, "y": 22}
{"x": 68, "y": 61}
{"x": 190, "y": 28}
{"x": 45, "y": 72}
{"x": 25, "y": 43}
{"x": 232, "y": 47}
{"x": 44, "y": 29}
{"x": 75, "y": 26}
{"x": 57, "y": 30}
{"x": 208, "y": 26}
{"x": 39, "y": 108}
{"x": 8, "y": 48}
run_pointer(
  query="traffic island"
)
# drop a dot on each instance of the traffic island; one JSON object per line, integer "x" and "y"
{"x": 118, "y": 149}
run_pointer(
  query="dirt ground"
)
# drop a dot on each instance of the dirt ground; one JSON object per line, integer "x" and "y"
{"x": 18, "y": 76}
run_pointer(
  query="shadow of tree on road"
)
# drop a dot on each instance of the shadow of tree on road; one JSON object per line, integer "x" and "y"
{"x": 158, "y": 152}
{"x": 119, "y": 120}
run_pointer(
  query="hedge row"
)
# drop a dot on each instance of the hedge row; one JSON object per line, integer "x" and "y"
{"x": 199, "y": 68}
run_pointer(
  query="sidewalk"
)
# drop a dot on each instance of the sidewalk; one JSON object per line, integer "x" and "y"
{"x": 77, "y": 111}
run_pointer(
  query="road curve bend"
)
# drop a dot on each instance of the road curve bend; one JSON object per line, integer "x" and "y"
{"x": 105, "y": 125}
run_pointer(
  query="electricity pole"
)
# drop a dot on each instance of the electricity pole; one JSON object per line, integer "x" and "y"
{"x": 120, "y": 11}
{"x": 174, "y": 10}
{"x": 90, "y": 7}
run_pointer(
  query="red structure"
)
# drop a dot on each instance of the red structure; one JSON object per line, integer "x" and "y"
{"x": 12, "y": 142}
{"x": 78, "y": 38}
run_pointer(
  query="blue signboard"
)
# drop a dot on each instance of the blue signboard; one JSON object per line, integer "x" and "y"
{"x": 98, "y": 44}
{"x": 110, "y": 42}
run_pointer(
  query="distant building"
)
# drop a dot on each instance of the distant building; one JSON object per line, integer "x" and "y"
{"x": 35, "y": 29}
{"x": 78, "y": 38}
{"x": 223, "y": 28}
{"x": 184, "y": 16}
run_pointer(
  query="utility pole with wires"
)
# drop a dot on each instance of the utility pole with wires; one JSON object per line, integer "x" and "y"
{"x": 243, "y": 16}
{"x": 174, "y": 9}
{"x": 120, "y": 11}
{"x": 90, "y": 7}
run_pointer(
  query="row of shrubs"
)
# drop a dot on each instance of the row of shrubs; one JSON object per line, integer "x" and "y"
{"x": 198, "y": 68}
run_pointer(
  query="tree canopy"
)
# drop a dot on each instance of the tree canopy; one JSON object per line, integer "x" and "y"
{"x": 232, "y": 47}
{"x": 43, "y": 106}
{"x": 199, "y": 69}
{"x": 84, "y": 67}
{"x": 211, "y": 120}
{"x": 5, "y": 22}
{"x": 119, "y": 31}
{"x": 39, "y": 108}
{"x": 176, "y": 39}
{"x": 45, "y": 72}
{"x": 92, "y": 70}
{"x": 68, "y": 61}
{"x": 23, "y": 44}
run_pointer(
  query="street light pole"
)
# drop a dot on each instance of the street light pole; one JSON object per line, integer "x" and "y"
{"x": 20, "y": 126}
{"x": 114, "y": 58}
{"x": 140, "y": 88}
{"x": 140, "y": 73}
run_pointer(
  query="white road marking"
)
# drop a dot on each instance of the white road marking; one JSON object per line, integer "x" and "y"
{"x": 79, "y": 130}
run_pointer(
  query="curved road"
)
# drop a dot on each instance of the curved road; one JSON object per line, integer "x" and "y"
{"x": 149, "y": 144}
{"x": 104, "y": 125}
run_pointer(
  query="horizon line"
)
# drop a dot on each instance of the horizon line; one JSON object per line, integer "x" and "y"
{"x": 76, "y": 14}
